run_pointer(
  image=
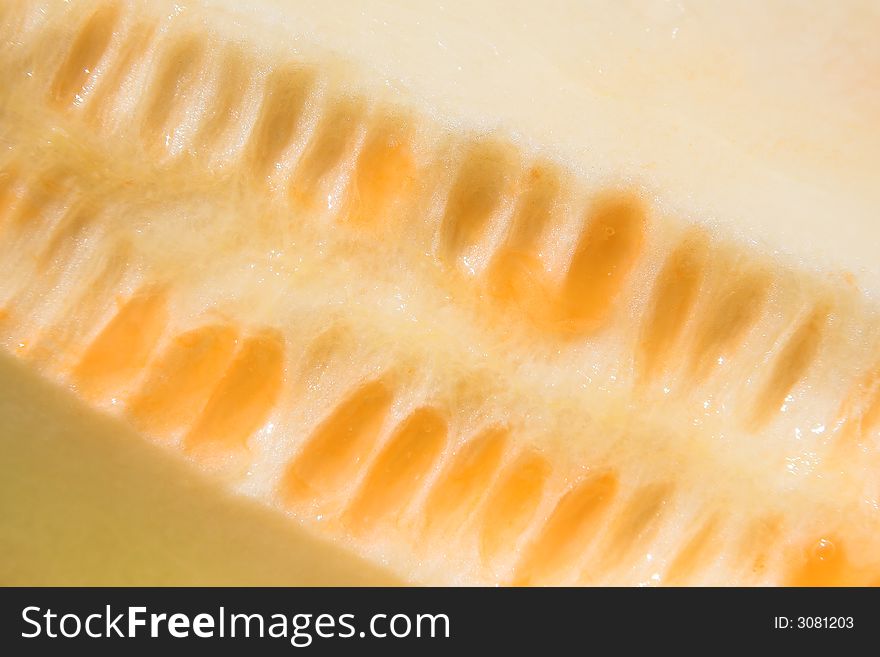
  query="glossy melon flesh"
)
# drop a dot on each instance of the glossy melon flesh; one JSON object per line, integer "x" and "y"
{"x": 452, "y": 350}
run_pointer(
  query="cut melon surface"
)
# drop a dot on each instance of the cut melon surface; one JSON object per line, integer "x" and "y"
{"x": 413, "y": 327}
{"x": 85, "y": 501}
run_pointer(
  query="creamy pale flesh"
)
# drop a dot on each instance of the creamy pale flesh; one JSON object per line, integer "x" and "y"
{"x": 486, "y": 294}
{"x": 758, "y": 116}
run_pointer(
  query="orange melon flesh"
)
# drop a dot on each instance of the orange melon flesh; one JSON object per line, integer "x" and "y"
{"x": 412, "y": 329}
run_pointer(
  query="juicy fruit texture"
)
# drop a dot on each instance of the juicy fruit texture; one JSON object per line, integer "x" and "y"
{"x": 85, "y": 500}
{"x": 446, "y": 352}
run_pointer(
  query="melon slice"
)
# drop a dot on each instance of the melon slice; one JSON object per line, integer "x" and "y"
{"x": 482, "y": 295}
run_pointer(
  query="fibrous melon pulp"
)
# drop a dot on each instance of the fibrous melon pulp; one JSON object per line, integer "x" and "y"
{"x": 450, "y": 323}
